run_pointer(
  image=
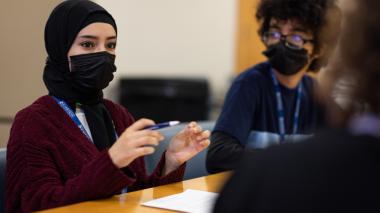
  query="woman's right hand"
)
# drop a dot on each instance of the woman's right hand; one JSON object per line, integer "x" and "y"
{"x": 134, "y": 142}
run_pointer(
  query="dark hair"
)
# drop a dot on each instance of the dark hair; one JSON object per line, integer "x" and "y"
{"x": 321, "y": 17}
{"x": 359, "y": 58}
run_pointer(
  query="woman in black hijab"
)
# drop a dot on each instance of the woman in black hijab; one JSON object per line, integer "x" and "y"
{"x": 72, "y": 145}
{"x": 90, "y": 72}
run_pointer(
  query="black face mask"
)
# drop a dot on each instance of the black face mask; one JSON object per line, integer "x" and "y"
{"x": 285, "y": 60}
{"x": 91, "y": 73}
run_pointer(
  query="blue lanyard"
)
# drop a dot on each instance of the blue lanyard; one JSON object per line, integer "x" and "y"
{"x": 72, "y": 115}
{"x": 280, "y": 108}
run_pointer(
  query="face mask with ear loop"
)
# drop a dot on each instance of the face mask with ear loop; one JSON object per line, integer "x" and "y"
{"x": 91, "y": 73}
{"x": 286, "y": 60}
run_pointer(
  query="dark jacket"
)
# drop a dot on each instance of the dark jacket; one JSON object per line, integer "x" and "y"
{"x": 332, "y": 172}
{"x": 249, "y": 118}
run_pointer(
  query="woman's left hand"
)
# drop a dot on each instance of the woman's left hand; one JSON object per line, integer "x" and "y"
{"x": 184, "y": 145}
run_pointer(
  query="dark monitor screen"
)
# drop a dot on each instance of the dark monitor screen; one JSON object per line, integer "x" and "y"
{"x": 164, "y": 99}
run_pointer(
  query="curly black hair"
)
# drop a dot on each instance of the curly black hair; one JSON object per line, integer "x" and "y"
{"x": 321, "y": 17}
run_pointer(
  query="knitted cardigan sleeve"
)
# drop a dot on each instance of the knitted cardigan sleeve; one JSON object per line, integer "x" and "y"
{"x": 35, "y": 179}
{"x": 35, "y": 182}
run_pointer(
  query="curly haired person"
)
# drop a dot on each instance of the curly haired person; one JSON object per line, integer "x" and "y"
{"x": 275, "y": 101}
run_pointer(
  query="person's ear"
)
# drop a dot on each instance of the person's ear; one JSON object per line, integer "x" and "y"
{"x": 318, "y": 53}
{"x": 317, "y": 59}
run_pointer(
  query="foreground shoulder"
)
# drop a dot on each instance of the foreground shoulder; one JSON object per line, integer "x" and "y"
{"x": 319, "y": 149}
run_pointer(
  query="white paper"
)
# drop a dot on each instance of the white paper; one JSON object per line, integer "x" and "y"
{"x": 192, "y": 201}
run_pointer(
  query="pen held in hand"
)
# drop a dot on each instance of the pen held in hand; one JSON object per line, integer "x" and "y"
{"x": 163, "y": 125}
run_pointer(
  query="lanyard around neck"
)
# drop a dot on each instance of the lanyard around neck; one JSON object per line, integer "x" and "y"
{"x": 281, "y": 110}
{"x": 73, "y": 117}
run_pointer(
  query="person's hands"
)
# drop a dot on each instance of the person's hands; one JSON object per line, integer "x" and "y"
{"x": 134, "y": 142}
{"x": 185, "y": 145}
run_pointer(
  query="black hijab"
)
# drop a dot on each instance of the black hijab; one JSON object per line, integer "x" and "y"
{"x": 62, "y": 27}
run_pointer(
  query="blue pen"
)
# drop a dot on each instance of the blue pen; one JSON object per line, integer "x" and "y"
{"x": 162, "y": 125}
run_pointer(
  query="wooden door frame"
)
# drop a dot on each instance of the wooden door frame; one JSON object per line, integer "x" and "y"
{"x": 249, "y": 46}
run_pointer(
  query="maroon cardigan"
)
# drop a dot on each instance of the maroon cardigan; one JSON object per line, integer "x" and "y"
{"x": 51, "y": 163}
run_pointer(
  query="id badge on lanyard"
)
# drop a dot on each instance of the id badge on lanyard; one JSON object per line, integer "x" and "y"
{"x": 280, "y": 107}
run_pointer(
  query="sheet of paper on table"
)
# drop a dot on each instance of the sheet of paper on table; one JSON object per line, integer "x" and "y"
{"x": 193, "y": 201}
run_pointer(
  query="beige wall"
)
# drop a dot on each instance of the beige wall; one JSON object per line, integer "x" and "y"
{"x": 191, "y": 38}
{"x": 22, "y": 55}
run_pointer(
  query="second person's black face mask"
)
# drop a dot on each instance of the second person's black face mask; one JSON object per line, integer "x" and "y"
{"x": 285, "y": 60}
{"x": 91, "y": 73}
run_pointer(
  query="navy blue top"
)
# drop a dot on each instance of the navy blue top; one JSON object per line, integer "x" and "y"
{"x": 249, "y": 112}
